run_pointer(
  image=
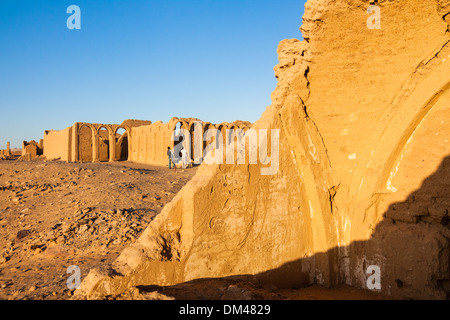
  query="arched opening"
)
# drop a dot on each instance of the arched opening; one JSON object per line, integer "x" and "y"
{"x": 85, "y": 144}
{"x": 206, "y": 140}
{"x": 231, "y": 135}
{"x": 178, "y": 128}
{"x": 103, "y": 145}
{"x": 121, "y": 144}
{"x": 192, "y": 133}
{"x": 178, "y": 141}
{"x": 220, "y": 137}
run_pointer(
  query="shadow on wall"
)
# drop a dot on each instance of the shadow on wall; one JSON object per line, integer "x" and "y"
{"x": 122, "y": 147}
{"x": 411, "y": 255}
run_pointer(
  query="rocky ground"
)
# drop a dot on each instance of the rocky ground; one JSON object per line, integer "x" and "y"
{"x": 54, "y": 215}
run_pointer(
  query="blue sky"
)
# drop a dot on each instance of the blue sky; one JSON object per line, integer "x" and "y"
{"x": 149, "y": 60}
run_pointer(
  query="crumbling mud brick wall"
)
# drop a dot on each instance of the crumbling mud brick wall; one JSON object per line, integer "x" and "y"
{"x": 57, "y": 144}
{"x": 85, "y": 144}
{"x": 90, "y": 142}
{"x": 364, "y": 170}
{"x": 32, "y": 148}
{"x": 149, "y": 143}
{"x": 122, "y": 146}
{"x": 103, "y": 147}
{"x": 6, "y": 153}
{"x": 141, "y": 141}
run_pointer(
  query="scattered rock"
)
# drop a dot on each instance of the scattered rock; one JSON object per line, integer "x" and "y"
{"x": 22, "y": 234}
{"x": 61, "y": 220}
{"x": 60, "y": 240}
{"x": 83, "y": 229}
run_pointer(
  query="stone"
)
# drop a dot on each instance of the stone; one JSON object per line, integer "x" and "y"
{"x": 61, "y": 239}
{"x": 22, "y": 234}
{"x": 66, "y": 227}
{"x": 359, "y": 114}
{"x": 83, "y": 229}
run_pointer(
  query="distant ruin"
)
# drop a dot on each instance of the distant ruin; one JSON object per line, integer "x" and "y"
{"x": 6, "y": 153}
{"x": 32, "y": 149}
{"x": 134, "y": 140}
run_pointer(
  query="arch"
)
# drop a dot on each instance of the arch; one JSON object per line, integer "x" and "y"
{"x": 180, "y": 124}
{"x": 317, "y": 181}
{"x": 206, "y": 126}
{"x": 119, "y": 128}
{"x": 412, "y": 104}
{"x": 107, "y": 127}
{"x": 221, "y": 135}
{"x": 196, "y": 133}
{"x": 231, "y": 133}
{"x": 104, "y": 136}
{"x": 382, "y": 187}
{"x": 86, "y": 133}
{"x": 87, "y": 125}
{"x": 178, "y": 138}
{"x": 193, "y": 142}
{"x": 177, "y": 127}
{"x": 407, "y": 134}
{"x": 122, "y": 143}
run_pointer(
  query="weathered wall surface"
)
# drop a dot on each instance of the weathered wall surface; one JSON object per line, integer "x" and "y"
{"x": 141, "y": 141}
{"x": 122, "y": 147}
{"x": 149, "y": 143}
{"x": 57, "y": 144}
{"x": 364, "y": 168}
{"x": 6, "y": 153}
{"x": 87, "y": 142}
{"x": 103, "y": 145}
{"x": 32, "y": 149}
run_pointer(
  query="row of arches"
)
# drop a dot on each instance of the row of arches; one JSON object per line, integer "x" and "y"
{"x": 102, "y": 143}
{"x": 203, "y": 136}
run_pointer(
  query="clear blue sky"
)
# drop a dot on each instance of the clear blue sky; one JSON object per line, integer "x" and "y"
{"x": 149, "y": 60}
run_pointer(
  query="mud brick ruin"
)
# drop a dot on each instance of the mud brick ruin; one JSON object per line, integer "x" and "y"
{"x": 364, "y": 167}
{"x": 364, "y": 173}
{"x": 140, "y": 141}
{"x": 6, "y": 153}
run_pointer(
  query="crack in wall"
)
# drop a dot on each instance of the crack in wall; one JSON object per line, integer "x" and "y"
{"x": 423, "y": 64}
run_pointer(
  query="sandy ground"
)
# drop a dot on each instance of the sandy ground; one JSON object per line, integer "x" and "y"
{"x": 54, "y": 215}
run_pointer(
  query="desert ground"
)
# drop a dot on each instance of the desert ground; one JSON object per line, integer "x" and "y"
{"x": 55, "y": 214}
